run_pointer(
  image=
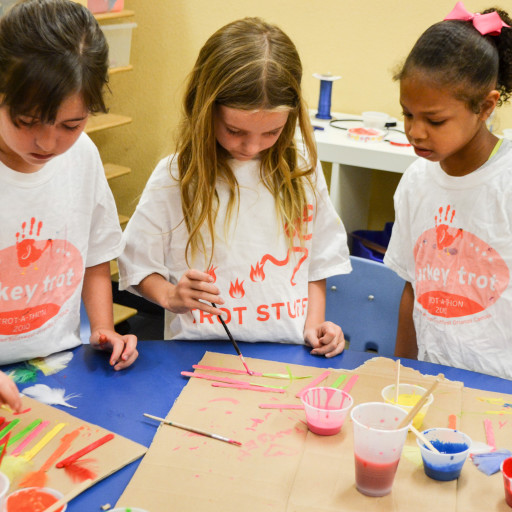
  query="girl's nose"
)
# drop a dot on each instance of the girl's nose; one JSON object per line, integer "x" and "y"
{"x": 45, "y": 138}
{"x": 415, "y": 130}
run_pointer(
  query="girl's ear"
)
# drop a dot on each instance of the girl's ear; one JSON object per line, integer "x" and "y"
{"x": 489, "y": 104}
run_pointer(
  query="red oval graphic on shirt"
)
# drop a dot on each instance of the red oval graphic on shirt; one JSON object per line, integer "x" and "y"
{"x": 36, "y": 278}
{"x": 448, "y": 305}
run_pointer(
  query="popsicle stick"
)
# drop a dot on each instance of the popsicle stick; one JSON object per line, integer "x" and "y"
{"x": 29, "y": 454}
{"x": 423, "y": 439}
{"x": 214, "y": 377}
{"x": 248, "y": 387}
{"x": 350, "y": 384}
{"x": 69, "y": 496}
{"x": 313, "y": 383}
{"x": 281, "y": 406}
{"x": 339, "y": 381}
{"x": 89, "y": 448}
{"x": 489, "y": 434}
{"x": 420, "y": 403}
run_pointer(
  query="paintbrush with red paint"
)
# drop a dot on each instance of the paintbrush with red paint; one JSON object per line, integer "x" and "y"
{"x": 235, "y": 344}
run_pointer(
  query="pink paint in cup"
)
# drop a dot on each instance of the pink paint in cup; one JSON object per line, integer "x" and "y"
{"x": 506, "y": 470}
{"x": 326, "y": 409}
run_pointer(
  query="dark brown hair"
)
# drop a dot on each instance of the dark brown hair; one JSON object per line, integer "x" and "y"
{"x": 454, "y": 54}
{"x": 50, "y": 49}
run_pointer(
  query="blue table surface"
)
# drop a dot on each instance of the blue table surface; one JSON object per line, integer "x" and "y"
{"x": 117, "y": 400}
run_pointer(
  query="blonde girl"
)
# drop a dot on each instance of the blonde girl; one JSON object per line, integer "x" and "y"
{"x": 240, "y": 217}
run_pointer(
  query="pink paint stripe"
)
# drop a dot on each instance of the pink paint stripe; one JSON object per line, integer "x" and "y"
{"x": 225, "y": 370}
{"x": 350, "y": 383}
{"x": 213, "y": 377}
{"x": 313, "y": 383}
{"x": 29, "y": 438}
{"x": 248, "y": 387}
{"x": 489, "y": 434}
{"x": 281, "y": 406}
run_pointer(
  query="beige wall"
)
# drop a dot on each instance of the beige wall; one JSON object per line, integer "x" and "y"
{"x": 361, "y": 40}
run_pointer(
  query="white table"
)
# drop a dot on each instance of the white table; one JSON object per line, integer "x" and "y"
{"x": 352, "y": 165}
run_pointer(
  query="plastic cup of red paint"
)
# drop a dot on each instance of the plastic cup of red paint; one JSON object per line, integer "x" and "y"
{"x": 326, "y": 409}
{"x": 506, "y": 470}
{"x": 33, "y": 499}
{"x": 378, "y": 444}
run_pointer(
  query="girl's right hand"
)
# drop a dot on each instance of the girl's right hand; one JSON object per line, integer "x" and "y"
{"x": 195, "y": 290}
{"x": 9, "y": 393}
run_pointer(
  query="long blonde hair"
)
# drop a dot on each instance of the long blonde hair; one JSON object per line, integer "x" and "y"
{"x": 247, "y": 65}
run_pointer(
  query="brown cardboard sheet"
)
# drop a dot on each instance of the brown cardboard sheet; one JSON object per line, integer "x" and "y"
{"x": 283, "y": 467}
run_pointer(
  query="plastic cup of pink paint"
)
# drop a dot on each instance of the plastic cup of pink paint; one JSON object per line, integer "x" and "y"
{"x": 326, "y": 409}
{"x": 33, "y": 499}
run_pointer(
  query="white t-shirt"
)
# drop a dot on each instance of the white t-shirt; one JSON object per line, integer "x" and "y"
{"x": 263, "y": 282}
{"x": 55, "y": 222}
{"x": 452, "y": 239}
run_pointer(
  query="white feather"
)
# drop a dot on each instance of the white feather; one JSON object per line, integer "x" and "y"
{"x": 53, "y": 363}
{"x": 48, "y": 395}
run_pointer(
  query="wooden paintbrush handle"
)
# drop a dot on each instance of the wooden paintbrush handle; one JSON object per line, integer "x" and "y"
{"x": 69, "y": 496}
{"x": 420, "y": 403}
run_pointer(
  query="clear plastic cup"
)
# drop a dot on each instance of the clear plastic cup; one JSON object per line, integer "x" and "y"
{"x": 378, "y": 444}
{"x": 326, "y": 409}
{"x": 35, "y": 499}
{"x": 375, "y": 119}
{"x": 4, "y": 487}
{"x": 408, "y": 396}
{"x": 507, "y": 133}
{"x": 506, "y": 470}
{"x": 454, "y": 447}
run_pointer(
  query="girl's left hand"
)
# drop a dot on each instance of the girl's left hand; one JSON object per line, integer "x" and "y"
{"x": 124, "y": 351}
{"x": 326, "y": 339}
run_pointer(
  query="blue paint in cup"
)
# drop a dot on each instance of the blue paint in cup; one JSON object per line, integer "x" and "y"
{"x": 454, "y": 447}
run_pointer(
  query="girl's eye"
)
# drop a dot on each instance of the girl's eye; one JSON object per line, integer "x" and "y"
{"x": 232, "y": 132}
{"x": 273, "y": 134}
{"x": 436, "y": 123}
{"x": 26, "y": 122}
{"x": 406, "y": 114}
{"x": 71, "y": 128}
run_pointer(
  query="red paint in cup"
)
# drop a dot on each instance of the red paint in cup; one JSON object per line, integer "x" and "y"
{"x": 506, "y": 469}
{"x": 377, "y": 477}
{"x": 32, "y": 499}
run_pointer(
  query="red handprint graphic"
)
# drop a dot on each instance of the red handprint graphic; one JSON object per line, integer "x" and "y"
{"x": 26, "y": 248}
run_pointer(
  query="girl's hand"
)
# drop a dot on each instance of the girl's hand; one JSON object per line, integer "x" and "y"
{"x": 9, "y": 393}
{"x": 326, "y": 339}
{"x": 195, "y": 290}
{"x": 124, "y": 351}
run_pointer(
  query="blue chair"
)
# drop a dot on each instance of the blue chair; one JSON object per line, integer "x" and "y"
{"x": 365, "y": 304}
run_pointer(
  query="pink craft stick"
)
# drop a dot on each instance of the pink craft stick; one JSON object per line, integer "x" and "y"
{"x": 213, "y": 377}
{"x": 350, "y": 383}
{"x": 489, "y": 434}
{"x": 281, "y": 406}
{"x": 313, "y": 383}
{"x": 248, "y": 387}
{"x": 29, "y": 438}
{"x": 225, "y": 370}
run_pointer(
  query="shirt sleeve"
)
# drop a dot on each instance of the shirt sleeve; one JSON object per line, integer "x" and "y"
{"x": 329, "y": 250}
{"x": 149, "y": 231}
{"x": 399, "y": 254}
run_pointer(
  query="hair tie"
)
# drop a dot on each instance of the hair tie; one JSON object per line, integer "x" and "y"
{"x": 487, "y": 24}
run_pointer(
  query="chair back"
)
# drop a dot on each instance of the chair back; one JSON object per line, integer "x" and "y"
{"x": 365, "y": 304}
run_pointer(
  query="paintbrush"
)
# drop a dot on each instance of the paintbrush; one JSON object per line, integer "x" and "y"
{"x": 423, "y": 439}
{"x": 69, "y": 496}
{"x": 235, "y": 344}
{"x": 420, "y": 403}
{"x": 194, "y": 430}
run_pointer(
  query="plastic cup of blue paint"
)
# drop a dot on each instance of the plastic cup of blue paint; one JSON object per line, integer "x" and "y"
{"x": 453, "y": 446}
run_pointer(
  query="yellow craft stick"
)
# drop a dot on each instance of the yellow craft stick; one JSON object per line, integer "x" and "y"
{"x": 29, "y": 454}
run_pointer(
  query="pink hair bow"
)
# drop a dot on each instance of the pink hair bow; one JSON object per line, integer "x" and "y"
{"x": 489, "y": 23}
